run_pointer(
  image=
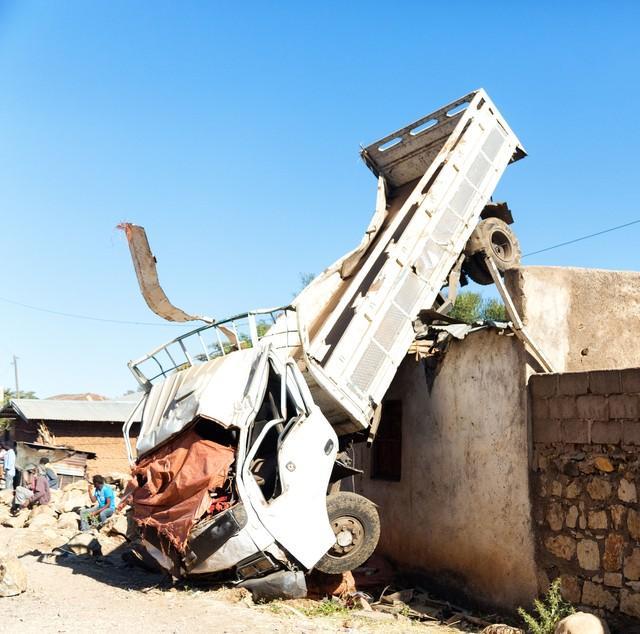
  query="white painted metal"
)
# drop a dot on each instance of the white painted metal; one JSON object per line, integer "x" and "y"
{"x": 419, "y": 247}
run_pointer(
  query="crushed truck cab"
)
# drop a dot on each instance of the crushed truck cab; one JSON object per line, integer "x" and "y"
{"x": 246, "y": 422}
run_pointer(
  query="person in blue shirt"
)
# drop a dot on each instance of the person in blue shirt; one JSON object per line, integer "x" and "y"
{"x": 104, "y": 498}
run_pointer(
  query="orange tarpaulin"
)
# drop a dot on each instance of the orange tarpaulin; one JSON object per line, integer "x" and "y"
{"x": 179, "y": 477}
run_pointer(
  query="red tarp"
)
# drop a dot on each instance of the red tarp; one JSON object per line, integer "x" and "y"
{"x": 179, "y": 477}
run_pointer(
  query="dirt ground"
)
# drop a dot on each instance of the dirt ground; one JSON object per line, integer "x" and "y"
{"x": 74, "y": 594}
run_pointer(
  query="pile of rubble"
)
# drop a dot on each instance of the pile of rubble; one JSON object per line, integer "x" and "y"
{"x": 55, "y": 528}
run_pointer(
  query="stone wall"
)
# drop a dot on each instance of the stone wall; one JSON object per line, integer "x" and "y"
{"x": 586, "y": 474}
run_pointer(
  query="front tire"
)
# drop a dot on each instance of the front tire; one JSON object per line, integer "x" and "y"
{"x": 356, "y": 525}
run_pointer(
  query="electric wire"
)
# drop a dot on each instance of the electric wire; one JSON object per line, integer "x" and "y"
{"x": 591, "y": 235}
{"x": 149, "y": 323}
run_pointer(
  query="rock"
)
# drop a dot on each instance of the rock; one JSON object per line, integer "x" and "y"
{"x": 116, "y": 525}
{"x": 501, "y": 628}
{"x": 599, "y": 488}
{"x": 633, "y": 523}
{"x": 573, "y": 489}
{"x": 72, "y": 499}
{"x": 84, "y": 544}
{"x": 555, "y": 488}
{"x": 617, "y": 515}
{"x": 613, "y": 579}
{"x": 598, "y": 520}
{"x": 595, "y": 595}
{"x": 632, "y": 565}
{"x": 18, "y": 521}
{"x": 42, "y": 521}
{"x": 44, "y": 509}
{"x": 627, "y": 491}
{"x": 13, "y": 577}
{"x": 613, "y": 550}
{"x": 582, "y": 623}
{"x": 5, "y": 513}
{"x": 603, "y": 464}
{"x": 69, "y": 521}
{"x": 561, "y": 546}
{"x": 6, "y": 497}
{"x": 572, "y": 516}
{"x": 570, "y": 588}
{"x": 555, "y": 516}
{"x": 50, "y": 539}
{"x": 588, "y": 554}
{"x": 630, "y": 603}
{"x": 78, "y": 485}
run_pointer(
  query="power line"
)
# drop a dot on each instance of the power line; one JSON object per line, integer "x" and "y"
{"x": 86, "y": 317}
{"x": 148, "y": 323}
{"x": 591, "y": 235}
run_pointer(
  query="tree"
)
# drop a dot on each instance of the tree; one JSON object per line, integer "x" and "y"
{"x": 6, "y": 397}
{"x": 471, "y": 306}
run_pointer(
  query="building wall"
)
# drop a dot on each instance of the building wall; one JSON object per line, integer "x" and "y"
{"x": 460, "y": 513}
{"x": 586, "y": 434}
{"x": 583, "y": 319}
{"x": 103, "y": 438}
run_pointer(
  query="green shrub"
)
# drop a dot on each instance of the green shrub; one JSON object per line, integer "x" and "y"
{"x": 551, "y": 609}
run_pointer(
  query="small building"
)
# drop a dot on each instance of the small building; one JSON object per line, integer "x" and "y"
{"x": 92, "y": 427}
{"x": 492, "y": 479}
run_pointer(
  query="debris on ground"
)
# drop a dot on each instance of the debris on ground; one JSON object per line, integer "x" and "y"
{"x": 13, "y": 577}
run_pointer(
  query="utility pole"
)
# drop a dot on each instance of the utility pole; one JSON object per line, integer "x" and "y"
{"x": 15, "y": 371}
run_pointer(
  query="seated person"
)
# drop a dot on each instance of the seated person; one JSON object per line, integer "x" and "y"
{"x": 104, "y": 498}
{"x": 45, "y": 470}
{"x": 35, "y": 492}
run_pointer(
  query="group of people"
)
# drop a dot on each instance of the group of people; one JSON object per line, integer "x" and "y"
{"x": 33, "y": 487}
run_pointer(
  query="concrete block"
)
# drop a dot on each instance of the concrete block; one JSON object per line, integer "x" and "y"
{"x": 606, "y": 432}
{"x": 562, "y": 407}
{"x": 543, "y": 385}
{"x": 624, "y": 406}
{"x": 539, "y": 408}
{"x": 575, "y": 431}
{"x": 546, "y": 431}
{"x": 592, "y": 407}
{"x": 630, "y": 380}
{"x": 631, "y": 433}
{"x": 573, "y": 383}
{"x": 605, "y": 382}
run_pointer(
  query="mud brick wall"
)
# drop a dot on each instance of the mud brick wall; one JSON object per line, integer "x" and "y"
{"x": 102, "y": 438}
{"x": 586, "y": 476}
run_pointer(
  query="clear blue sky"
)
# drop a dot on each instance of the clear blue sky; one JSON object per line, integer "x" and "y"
{"x": 231, "y": 132}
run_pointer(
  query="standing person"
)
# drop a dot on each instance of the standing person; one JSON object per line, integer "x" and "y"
{"x": 104, "y": 498}
{"x": 36, "y": 492}
{"x": 48, "y": 473}
{"x": 9, "y": 464}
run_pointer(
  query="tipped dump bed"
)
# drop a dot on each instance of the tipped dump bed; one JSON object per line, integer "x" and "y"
{"x": 438, "y": 174}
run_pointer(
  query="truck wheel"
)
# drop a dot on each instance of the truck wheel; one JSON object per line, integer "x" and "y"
{"x": 496, "y": 238}
{"x": 356, "y": 525}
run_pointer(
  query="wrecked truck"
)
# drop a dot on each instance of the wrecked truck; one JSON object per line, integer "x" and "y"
{"x": 247, "y": 423}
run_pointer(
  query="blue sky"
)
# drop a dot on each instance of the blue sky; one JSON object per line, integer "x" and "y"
{"x": 232, "y": 133}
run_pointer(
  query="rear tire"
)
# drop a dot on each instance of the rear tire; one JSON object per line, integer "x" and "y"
{"x": 356, "y": 524}
{"x": 494, "y": 237}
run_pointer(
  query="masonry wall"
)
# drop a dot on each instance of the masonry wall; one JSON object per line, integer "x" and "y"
{"x": 102, "y": 438}
{"x": 460, "y": 514}
{"x": 583, "y": 319}
{"x": 586, "y": 474}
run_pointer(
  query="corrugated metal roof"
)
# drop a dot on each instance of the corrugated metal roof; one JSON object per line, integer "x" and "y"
{"x": 89, "y": 411}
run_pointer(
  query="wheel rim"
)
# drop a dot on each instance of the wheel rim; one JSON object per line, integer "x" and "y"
{"x": 501, "y": 246}
{"x": 349, "y": 533}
